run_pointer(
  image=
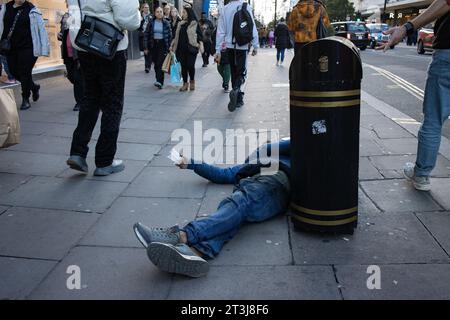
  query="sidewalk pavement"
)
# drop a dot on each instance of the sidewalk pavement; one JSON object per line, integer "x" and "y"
{"x": 52, "y": 218}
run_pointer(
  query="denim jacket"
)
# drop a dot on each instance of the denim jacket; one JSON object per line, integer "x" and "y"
{"x": 41, "y": 45}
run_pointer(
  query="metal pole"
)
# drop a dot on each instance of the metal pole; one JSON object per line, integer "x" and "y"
{"x": 275, "y": 19}
{"x": 384, "y": 12}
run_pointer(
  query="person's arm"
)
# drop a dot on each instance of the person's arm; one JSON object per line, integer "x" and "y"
{"x": 436, "y": 10}
{"x": 221, "y": 31}
{"x": 126, "y": 14}
{"x": 215, "y": 174}
{"x": 255, "y": 40}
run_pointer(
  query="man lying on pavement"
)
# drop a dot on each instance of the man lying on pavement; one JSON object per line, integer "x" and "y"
{"x": 256, "y": 197}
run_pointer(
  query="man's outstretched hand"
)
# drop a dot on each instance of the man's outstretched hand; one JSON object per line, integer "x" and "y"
{"x": 397, "y": 35}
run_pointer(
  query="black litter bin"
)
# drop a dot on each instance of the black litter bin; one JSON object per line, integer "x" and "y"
{"x": 325, "y": 96}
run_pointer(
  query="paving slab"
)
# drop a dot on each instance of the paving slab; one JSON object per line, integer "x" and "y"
{"x": 259, "y": 283}
{"x": 365, "y": 205}
{"x": 440, "y": 191}
{"x": 383, "y": 238}
{"x": 43, "y": 144}
{"x": 384, "y": 127}
{"x": 367, "y": 170}
{"x": 265, "y": 243}
{"x": 154, "y": 125}
{"x": 400, "y": 146}
{"x": 143, "y": 136}
{"x": 106, "y": 273}
{"x": 370, "y": 147}
{"x": 114, "y": 228}
{"x": 136, "y": 151}
{"x": 437, "y": 223}
{"x": 65, "y": 194}
{"x": 21, "y": 276}
{"x": 132, "y": 170}
{"x": 36, "y": 164}
{"x": 3, "y": 209}
{"x": 163, "y": 182}
{"x": 9, "y": 182}
{"x": 398, "y": 196}
{"x": 398, "y": 282}
{"x": 392, "y": 165}
{"x": 43, "y": 234}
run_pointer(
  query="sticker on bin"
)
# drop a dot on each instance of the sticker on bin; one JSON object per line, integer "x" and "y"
{"x": 319, "y": 127}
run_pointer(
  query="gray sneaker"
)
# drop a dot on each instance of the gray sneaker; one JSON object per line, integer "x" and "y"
{"x": 179, "y": 259}
{"x": 148, "y": 235}
{"x": 420, "y": 183}
{"x": 78, "y": 163}
{"x": 115, "y": 167}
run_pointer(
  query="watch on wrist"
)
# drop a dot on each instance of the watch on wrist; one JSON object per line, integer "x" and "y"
{"x": 409, "y": 28}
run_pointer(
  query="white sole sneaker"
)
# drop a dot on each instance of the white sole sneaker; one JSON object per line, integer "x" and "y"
{"x": 417, "y": 186}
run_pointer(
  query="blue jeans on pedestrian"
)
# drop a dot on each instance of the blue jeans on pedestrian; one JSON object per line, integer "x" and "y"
{"x": 436, "y": 109}
{"x": 280, "y": 54}
{"x": 254, "y": 199}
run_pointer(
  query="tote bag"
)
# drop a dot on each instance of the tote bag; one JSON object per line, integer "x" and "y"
{"x": 9, "y": 119}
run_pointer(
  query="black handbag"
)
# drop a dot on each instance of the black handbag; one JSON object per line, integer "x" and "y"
{"x": 5, "y": 44}
{"x": 98, "y": 37}
{"x": 321, "y": 31}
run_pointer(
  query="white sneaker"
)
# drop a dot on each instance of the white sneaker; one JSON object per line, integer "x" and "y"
{"x": 420, "y": 183}
{"x": 278, "y": 63}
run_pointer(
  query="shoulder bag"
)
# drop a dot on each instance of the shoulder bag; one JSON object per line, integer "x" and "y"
{"x": 5, "y": 44}
{"x": 98, "y": 37}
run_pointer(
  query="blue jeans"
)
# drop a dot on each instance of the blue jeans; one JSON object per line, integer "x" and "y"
{"x": 436, "y": 109}
{"x": 280, "y": 54}
{"x": 254, "y": 199}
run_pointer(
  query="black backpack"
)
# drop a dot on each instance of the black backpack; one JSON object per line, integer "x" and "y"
{"x": 242, "y": 26}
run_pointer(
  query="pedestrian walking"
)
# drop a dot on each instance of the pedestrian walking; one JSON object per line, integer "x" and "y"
{"x": 174, "y": 20}
{"x": 23, "y": 40}
{"x": 158, "y": 36}
{"x": 104, "y": 85}
{"x": 146, "y": 18}
{"x": 436, "y": 107}
{"x": 166, "y": 11}
{"x": 71, "y": 61}
{"x": 237, "y": 42}
{"x": 304, "y": 19}
{"x": 186, "y": 45}
{"x": 271, "y": 38}
{"x": 282, "y": 40}
{"x": 207, "y": 42}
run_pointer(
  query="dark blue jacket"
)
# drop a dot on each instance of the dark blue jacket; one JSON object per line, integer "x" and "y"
{"x": 148, "y": 35}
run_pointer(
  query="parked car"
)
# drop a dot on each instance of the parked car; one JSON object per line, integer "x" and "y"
{"x": 376, "y": 34}
{"x": 356, "y": 32}
{"x": 425, "y": 41}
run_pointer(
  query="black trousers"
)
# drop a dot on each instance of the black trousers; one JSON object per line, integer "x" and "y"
{"x": 187, "y": 61}
{"x": 159, "y": 52}
{"x": 238, "y": 65}
{"x": 104, "y": 91}
{"x": 148, "y": 61}
{"x": 207, "y": 53}
{"x": 21, "y": 64}
{"x": 75, "y": 76}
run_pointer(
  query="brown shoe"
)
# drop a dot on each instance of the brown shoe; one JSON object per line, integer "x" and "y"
{"x": 192, "y": 85}
{"x": 184, "y": 87}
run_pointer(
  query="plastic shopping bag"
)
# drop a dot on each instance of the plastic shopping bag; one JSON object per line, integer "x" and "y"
{"x": 175, "y": 71}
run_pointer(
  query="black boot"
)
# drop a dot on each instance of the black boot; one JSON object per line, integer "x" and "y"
{"x": 36, "y": 89}
{"x": 25, "y": 104}
{"x": 240, "y": 99}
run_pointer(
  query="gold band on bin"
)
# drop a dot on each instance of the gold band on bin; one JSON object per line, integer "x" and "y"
{"x": 327, "y": 104}
{"x": 326, "y": 223}
{"x": 325, "y": 94}
{"x": 323, "y": 212}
